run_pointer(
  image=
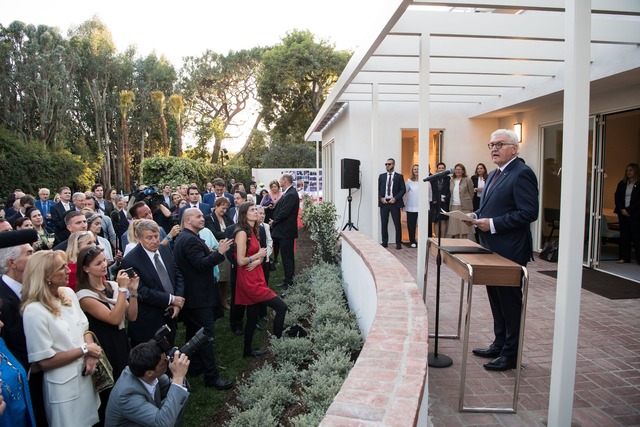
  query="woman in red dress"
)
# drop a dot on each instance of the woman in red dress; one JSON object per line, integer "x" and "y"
{"x": 251, "y": 287}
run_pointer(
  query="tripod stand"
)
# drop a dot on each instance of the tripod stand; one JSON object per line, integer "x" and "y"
{"x": 436, "y": 360}
{"x": 349, "y": 224}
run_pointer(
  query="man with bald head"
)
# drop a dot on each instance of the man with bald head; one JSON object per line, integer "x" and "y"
{"x": 196, "y": 261}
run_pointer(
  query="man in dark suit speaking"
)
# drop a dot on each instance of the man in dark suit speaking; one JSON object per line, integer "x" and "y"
{"x": 508, "y": 206}
{"x": 391, "y": 189}
{"x": 161, "y": 289}
{"x": 284, "y": 225}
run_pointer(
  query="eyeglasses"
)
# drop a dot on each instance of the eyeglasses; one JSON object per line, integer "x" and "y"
{"x": 388, "y": 164}
{"x": 497, "y": 145}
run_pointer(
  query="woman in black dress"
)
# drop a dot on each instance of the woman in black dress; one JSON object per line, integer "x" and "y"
{"x": 106, "y": 306}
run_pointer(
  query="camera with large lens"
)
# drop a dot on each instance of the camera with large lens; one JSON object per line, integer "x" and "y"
{"x": 199, "y": 340}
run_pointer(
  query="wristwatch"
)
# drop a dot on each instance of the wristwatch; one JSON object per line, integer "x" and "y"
{"x": 84, "y": 349}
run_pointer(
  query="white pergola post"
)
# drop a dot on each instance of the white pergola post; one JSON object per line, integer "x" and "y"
{"x": 423, "y": 155}
{"x": 572, "y": 218}
{"x": 375, "y": 159}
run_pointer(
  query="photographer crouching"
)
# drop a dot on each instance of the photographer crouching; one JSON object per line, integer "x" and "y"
{"x": 144, "y": 395}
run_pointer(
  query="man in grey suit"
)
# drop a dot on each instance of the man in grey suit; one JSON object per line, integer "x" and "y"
{"x": 144, "y": 395}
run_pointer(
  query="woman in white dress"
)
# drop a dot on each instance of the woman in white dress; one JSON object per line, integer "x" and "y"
{"x": 57, "y": 341}
{"x": 411, "y": 204}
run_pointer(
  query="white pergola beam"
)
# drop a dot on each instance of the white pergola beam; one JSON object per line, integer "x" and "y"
{"x": 597, "y": 6}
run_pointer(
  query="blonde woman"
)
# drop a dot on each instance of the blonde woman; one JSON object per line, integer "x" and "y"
{"x": 57, "y": 341}
{"x": 77, "y": 241}
{"x": 131, "y": 236}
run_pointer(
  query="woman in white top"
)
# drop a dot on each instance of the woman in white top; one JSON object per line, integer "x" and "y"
{"x": 462, "y": 193}
{"x": 411, "y": 204}
{"x": 57, "y": 341}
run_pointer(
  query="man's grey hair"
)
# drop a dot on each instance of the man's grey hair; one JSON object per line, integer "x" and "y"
{"x": 288, "y": 177}
{"x": 6, "y": 254}
{"x": 512, "y": 138}
{"x": 76, "y": 195}
{"x": 146, "y": 225}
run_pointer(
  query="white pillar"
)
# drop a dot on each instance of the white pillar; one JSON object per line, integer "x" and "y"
{"x": 375, "y": 160}
{"x": 423, "y": 155}
{"x": 572, "y": 217}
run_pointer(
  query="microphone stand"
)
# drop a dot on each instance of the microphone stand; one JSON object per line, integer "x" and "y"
{"x": 436, "y": 360}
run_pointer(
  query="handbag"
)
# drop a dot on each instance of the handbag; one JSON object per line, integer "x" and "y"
{"x": 103, "y": 377}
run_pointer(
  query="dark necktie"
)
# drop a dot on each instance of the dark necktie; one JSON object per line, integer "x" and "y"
{"x": 494, "y": 179}
{"x": 389, "y": 185}
{"x": 162, "y": 272}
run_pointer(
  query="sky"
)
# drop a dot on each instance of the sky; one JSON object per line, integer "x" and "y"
{"x": 187, "y": 27}
{"x": 182, "y": 28}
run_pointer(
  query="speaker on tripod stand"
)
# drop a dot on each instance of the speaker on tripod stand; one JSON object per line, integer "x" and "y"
{"x": 350, "y": 178}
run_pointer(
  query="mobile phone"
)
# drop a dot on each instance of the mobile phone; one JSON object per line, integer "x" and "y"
{"x": 129, "y": 271}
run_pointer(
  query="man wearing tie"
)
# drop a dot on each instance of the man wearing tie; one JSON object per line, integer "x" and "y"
{"x": 161, "y": 288}
{"x": 193, "y": 195}
{"x": 391, "y": 189}
{"x": 508, "y": 206}
{"x": 58, "y": 212}
{"x": 44, "y": 205}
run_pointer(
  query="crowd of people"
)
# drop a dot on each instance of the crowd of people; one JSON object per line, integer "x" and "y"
{"x": 95, "y": 275}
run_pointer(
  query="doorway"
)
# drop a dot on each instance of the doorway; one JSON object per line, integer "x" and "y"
{"x": 410, "y": 156}
{"x": 614, "y": 142}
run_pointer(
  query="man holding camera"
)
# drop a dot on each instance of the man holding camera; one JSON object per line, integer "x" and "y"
{"x": 144, "y": 395}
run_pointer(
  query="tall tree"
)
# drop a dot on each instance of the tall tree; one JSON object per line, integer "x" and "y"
{"x": 96, "y": 50}
{"x": 158, "y": 100}
{"x": 217, "y": 88}
{"x": 126, "y": 105}
{"x": 176, "y": 105}
{"x": 295, "y": 80}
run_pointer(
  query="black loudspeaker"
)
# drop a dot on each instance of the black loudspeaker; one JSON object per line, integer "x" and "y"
{"x": 350, "y": 169}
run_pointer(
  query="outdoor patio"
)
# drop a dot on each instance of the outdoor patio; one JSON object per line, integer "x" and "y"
{"x": 607, "y": 388}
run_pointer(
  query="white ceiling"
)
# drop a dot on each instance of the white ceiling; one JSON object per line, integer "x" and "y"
{"x": 494, "y": 58}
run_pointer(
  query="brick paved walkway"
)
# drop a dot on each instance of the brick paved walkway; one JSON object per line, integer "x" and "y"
{"x": 607, "y": 389}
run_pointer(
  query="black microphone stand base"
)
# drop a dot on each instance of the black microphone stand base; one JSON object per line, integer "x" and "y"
{"x": 439, "y": 360}
{"x": 350, "y": 225}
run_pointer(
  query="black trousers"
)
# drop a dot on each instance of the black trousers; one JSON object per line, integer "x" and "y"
{"x": 394, "y": 210}
{"x": 629, "y": 235}
{"x": 204, "y": 360}
{"x": 253, "y": 313}
{"x": 412, "y": 222}
{"x": 506, "y": 306}
{"x": 287, "y": 257}
{"x": 236, "y": 312}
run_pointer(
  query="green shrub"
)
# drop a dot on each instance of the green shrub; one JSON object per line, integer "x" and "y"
{"x": 293, "y": 350}
{"x": 320, "y": 219}
{"x": 180, "y": 170}
{"x": 260, "y": 415}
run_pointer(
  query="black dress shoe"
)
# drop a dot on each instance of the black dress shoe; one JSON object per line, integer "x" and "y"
{"x": 219, "y": 384}
{"x": 500, "y": 364}
{"x": 491, "y": 352}
{"x": 398, "y": 245}
{"x": 238, "y": 332}
{"x": 384, "y": 245}
{"x": 255, "y": 353}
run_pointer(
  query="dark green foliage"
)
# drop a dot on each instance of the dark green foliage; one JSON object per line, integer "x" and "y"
{"x": 28, "y": 166}
{"x": 176, "y": 170}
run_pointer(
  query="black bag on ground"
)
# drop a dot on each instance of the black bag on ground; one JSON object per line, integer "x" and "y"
{"x": 550, "y": 251}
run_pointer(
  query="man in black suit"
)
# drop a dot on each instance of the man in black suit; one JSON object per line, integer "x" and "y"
{"x": 106, "y": 206}
{"x": 58, "y": 212}
{"x": 196, "y": 261}
{"x": 508, "y": 206}
{"x": 391, "y": 189}
{"x": 284, "y": 225}
{"x": 13, "y": 261}
{"x": 161, "y": 288}
{"x": 192, "y": 197}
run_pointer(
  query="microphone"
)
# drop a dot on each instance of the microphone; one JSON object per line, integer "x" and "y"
{"x": 18, "y": 237}
{"x": 439, "y": 175}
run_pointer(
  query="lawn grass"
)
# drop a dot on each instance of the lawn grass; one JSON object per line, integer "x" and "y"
{"x": 204, "y": 401}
